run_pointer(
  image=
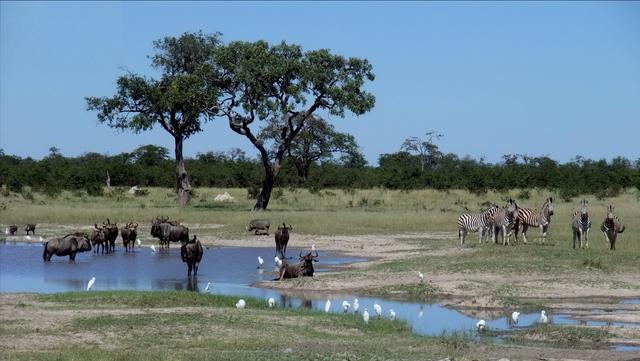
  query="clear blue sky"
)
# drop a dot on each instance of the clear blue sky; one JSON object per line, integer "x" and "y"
{"x": 538, "y": 78}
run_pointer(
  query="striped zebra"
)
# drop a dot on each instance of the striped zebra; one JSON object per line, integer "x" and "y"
{"x": 475, "y": 222}
{"x": 610, "y": 227}
{"x": 581, "y": 224}
{"x": 528, "y": 217}
{"x": 504, "y": 221}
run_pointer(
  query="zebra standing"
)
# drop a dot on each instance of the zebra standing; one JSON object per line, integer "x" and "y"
{"x": 475, "y": 222}
{"x": 581, "y": 224}
{"x": 528, "y": 217}
{"x": 610, "y": 227}
{"x": 504, "y": 221}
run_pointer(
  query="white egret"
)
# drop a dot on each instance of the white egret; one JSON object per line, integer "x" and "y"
{"x": 6, "y": 230}
{"x": 206, "y": 289}
{"x": 378, "y": 309}
{"x": 90, "y": 284}
{"x": 543, "y": 317}
{"x": 41, "y": 239}
{"x": 356, "y": 306}
{"x": 392, "y": 314}
{"x": 365, "y": 316}
{"x": 260, "y": 262}
{"x": 420, "y": 276}
{"x": 327, "y": 306}
{"x": 514, "y": 317}
{"x": 138, "y": 242}
{"x": 28, "y": 238}
{"x": 480, "y": 325}
{"x": 153, "y": 249}
{"x": 346, "y": 306}
{"x": 313, "y": 247}
{"x": 240, "y": 305}
{"x": 278, "y": 262}
{"x": 271, "y": 302}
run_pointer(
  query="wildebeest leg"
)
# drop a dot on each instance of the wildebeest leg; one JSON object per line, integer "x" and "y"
{"x": 190, "y": 265}
{"x": 72, "y": 257}
{"x": 195, "y": 269}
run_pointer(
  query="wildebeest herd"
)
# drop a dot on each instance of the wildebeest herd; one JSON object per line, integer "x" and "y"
{"x": 511, "y": 219}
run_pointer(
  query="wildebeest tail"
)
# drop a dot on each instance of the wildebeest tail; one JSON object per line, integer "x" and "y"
{"x": 44, "y": 251}
{"x": 183, "y": 253}
{"x": 200, "y": 251}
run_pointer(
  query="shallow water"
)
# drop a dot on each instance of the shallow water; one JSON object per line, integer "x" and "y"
{"x": 232, "y": 271}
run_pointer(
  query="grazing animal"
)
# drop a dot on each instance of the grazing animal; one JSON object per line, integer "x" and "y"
{"x": 98, "y": 238}
{"x": 282, "y": 239}
{"x": 271, "y": 302}
{"x": 581, "y": 224}
{"x": 504, "y": 221}
{"x": 356, "y": 306}
{"x": 378, "y": 309}
{"x": 240, "y": 304}
{"x": 514, "y": 317}
{"x": 392, "y": 314}
{"x": 365, "y": 316}
{"x": 346, "y": 306}
{"x": 304, "y": 268}
{"x": 610, "y": 227}
{"x": 68, "y": 245}
{"x": 481, "y": 325}
{"x": 13, "y": 229}
{"x": 543, "y": 317}
{"x": 30, "y": 227}
{"x": 129, "y": 235}
{"x": 167, "y": 232}
{"x": 191, "y": 254}
{"x": 476, "y": 222}
{"x": 327, "y": 306}
{"x": 528, "y": 217}
{"x": 90, "y": 284}
{"x": 111, "y": 233}
{"x": 259, "y": 225}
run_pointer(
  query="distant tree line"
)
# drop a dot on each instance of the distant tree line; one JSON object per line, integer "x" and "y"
{"x": 151, "y": 166}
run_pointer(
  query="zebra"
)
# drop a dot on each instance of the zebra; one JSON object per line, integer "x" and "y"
{"x": 504, "y": 221}
{"x": 475, "y": 222}
{"x": 528, "y": 217}
{"x": 581, "y": 224}
{"x": 610, "y": 227}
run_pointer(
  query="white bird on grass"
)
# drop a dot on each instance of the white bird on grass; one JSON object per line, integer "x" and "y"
{"x": 346, "y": 306}
{"x": 365, "y": 316}
{"x": 514, "y": 317}
{"x": 543, "y": 317}
{"x": 480, "y": 325}
{"x": 138, "y": 242}
{"x": 356, "y": 306}
{"x": 271, "y": 302}
{"x": 327, "y": 306}
{"x": 420, "y": 276}
{"x": 90, "y": 284}
{"x": 260, "y": 262}
{"x": 153, "y": 249}
{"x": 240, "y": 305}
{"x": 378, "y": 309}
{"x": 392, "y": 314}
{"x": 206, "y": 289}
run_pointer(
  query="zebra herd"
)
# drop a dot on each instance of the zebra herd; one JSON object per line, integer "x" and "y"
{"x": 511, "y": 219}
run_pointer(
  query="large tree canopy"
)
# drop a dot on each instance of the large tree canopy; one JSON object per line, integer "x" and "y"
{"x": 282, "y": 86}
{"x": 180, "y": 101}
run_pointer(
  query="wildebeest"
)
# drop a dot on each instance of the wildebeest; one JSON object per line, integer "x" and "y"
{"x": 304, "y": 268}
{"x": 30, "y": 227}
{"x": 282, "y": 239}
{"x": 98, "y": 238}
{"x": 259, "y": 225}
{"x": 129, "y": 234}
{"x": 191, "y": 253}
{"x": 13, "y": 229}
{"x": 111, "y": 233}
{"x": 610, "y": 227}
{"x": 167, "y": 231}
{"x": 68, "y": 245}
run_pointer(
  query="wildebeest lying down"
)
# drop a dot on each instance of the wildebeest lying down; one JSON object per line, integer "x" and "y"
{"x": 191, "y": 254}
{"x": 30, "y": 227}
{"x": 259, "y": 225}
{"x": 167, "y": 231}
{"x": 111, "y": 233}
{"x": 13, "y": 229}
{"x": 282, "y": 239}
{"x": 129, "y": 235}
{"x": 68, "y": 245}
{"x": 98, "y": 238}
{"x": 304, "y": 268}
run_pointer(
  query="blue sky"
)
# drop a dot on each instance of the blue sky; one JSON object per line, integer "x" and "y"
{"x": 536, "y": 78}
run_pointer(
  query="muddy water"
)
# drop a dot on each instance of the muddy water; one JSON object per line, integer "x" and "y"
{"x": 232, "y": 271}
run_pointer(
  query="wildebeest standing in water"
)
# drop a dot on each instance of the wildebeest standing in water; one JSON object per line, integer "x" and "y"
{"x": 13, "y": 229}
{"x": 304, "y": 268}
{"x": 98, "y": 238}
{"x": 282, "y": 239}
{"x": 167, "y": 231}
{"x": 68, "y": 245}
{"x": 111, "y": 233}
{"x": 191, "y": 253}
{"x": 129, "y": 234}
{"x": 30, "y": 227}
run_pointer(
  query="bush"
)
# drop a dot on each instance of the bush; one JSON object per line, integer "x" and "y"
{"x": 95, "y": 190}
{"x": 277, "y": 193}
{"x": 140, "y": 192}
{"x": 253, "y": 192}
{"x": 567, "y": 194}
{"x": 524, "y": 194}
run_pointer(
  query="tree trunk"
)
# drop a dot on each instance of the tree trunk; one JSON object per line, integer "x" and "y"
{"x": 183, "y": 188}
{"x": 267, "y": 186}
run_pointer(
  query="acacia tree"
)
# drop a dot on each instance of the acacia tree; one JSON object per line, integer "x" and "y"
{"x": 425, "y": 148}
{"x": 317, "y": 141}
{"x": 282, "y": 85}
{"x": 180, "y": 101}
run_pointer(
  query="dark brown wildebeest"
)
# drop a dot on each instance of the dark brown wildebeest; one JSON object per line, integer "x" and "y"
{"x": 111, "y": 233}
{"x": 30, "y": 227}
{"x": 282, "y": 239}
{"x": 259, "y": 225}
{"x": 129, "y": 235}
{"x": 98, "y": 238}
{"x": 68, "y": 245}
{"x": 167, "y": 231}
{"x": 304, "y": 268}
{"x": 191, "y": 254}
{"x": 13, "y": 229}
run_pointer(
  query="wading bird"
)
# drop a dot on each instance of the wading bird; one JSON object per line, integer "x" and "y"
{"x": 206, "y": 289}
{"x": 365, "y": 316}
{"x": 138, "y": 242}
{"x": 480, "y": 325}
{"x": 420, "y": 276}
{"x": 356, "y": 306}
{"x": 153, "y": 249}
{"x": 378, "y": 309}
{"x": 392, "y": 314}
{"x": 271, "y": 302}
{"x": 90, "y": 284}
{"x": 260, "y": 262}
{"x": 514, "y": 317}
{"x": 240, "y": 305}
{"x": 346, "y": 306}
{"x": 543, "y": 317}
{"x": 327, "y": 306}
